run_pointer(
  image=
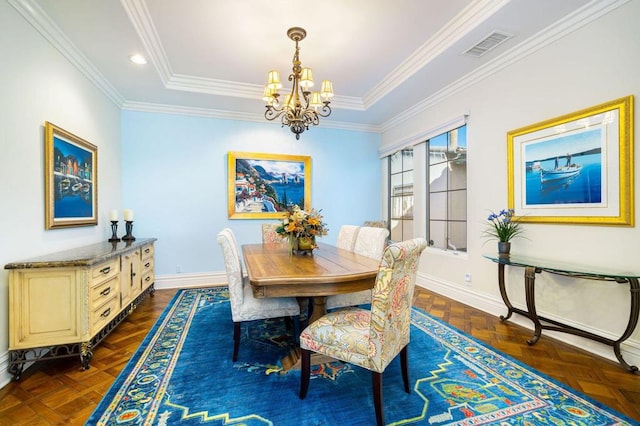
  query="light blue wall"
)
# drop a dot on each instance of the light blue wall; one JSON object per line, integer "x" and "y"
{"x": 174, "y": 171}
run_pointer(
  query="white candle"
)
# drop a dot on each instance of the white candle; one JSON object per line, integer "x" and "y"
{"x": 128, "y": 215}
{"x": 113, "y": 215}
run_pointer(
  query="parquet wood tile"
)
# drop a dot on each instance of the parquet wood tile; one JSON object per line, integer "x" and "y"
{"x": 59, "y": 393}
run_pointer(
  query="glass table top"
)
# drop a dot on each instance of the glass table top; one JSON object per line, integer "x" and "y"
{"x": 562, "y": 267}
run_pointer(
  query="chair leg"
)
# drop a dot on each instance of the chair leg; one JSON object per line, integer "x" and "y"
{"x": 404, "y": 365}
{"x": 376, "y": 381}
{"x": 305, "y": 371}
{"x": 236, "y": 340}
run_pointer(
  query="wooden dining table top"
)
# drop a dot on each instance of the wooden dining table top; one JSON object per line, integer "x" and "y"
{"x": 274, "y": 272}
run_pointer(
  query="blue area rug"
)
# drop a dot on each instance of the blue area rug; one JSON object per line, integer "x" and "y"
{"x": 182, "y": 374}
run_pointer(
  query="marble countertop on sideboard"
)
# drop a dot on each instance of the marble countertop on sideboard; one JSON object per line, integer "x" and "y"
{"x": 81, "y": 256}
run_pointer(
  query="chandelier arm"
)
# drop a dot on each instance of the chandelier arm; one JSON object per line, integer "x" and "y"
{"x": 311, "y": 118}
{"x": 325, "y": 111}
{"x": 272, "y": 113}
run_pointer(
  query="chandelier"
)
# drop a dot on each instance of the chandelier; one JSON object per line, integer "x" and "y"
{"x": 302, "y": 107}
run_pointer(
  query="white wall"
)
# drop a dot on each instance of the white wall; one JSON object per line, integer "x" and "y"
{"x": 590, "y": 66}
{"x": 175, "y": 180}
{"x": 39, "y": 85}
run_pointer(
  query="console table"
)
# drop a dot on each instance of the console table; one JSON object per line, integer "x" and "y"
{"x": 533, "y": 266}
{"x": 65, "y": 303}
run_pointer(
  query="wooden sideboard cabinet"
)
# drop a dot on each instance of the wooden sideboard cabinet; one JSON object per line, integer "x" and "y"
{"x": 65, "y": 303}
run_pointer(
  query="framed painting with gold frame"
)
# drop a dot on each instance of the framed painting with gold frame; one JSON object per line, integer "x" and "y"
{"x": 71, "y": 179}
{"x": 577, "y": 168}
{"x": 260, "y": 186}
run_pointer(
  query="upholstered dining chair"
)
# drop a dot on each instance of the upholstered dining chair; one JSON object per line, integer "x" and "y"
{"x": 347, "y": 237}
{"x": 245, "y": 307}
{"x": 370, "y": 242}
{"x": 376, "y": 223}
{"x": 371, "y": 338}
{"x": 269, "y": 234}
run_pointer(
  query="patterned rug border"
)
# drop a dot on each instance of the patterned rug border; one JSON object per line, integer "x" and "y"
{"x": 492, "y": 364}
{"x": 174, "y": 329}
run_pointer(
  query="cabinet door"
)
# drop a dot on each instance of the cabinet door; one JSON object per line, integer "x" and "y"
{"x": 129, "y": 277}
{"x": 46, "y": 307}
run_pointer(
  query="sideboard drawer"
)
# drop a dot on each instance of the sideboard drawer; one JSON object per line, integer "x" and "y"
{"x": 103, "y": 314}
{"x": 105, "y": 270}
{"x": 147, "y": 251}
{"x": 147, "y": 265}
{"x": 104, "y": 291}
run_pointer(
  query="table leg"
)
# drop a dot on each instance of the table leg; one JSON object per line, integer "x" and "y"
{"x": 631, "y": 325}
{"x": 503, "y": 293}
{"x": 319, "y": 308}
{"x": 530, "y": 295}
{"x": 292, "y": 360}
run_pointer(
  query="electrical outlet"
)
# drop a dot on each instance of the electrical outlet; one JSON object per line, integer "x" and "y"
{"x": 178, "y": 269}
{"x": 467, "y": 278}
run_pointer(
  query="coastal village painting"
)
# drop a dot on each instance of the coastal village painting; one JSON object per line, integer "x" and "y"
{"x": 264, "y": 185}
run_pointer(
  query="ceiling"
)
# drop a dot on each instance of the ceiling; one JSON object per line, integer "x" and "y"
{"x": 387, "y": 59}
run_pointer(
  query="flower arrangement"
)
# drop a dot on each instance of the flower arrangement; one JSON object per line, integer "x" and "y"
{"x": 503, "y": 226}
{"x": 298, "y": 224}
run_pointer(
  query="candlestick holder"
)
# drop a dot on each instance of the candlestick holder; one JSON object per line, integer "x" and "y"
{"x": 114, "y": 231}
{"x": 128, "y": 226}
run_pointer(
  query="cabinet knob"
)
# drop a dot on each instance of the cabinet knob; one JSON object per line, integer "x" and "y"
{"x": 106, "y": 313}
{"x": 105, "y": 270}
{"x": 105, "y": 291}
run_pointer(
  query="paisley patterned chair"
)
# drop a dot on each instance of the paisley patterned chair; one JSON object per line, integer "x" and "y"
{"x": 370, "y": 242}
{"x": 245, "y": 307}
{"x": 372, "y": 338}
{"x": 347, "y": 237}
{"x": 269, "y": 234}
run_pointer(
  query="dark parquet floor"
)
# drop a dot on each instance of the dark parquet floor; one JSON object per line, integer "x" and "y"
{"x": 57, "y": 393}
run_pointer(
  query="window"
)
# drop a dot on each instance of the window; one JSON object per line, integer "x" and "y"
{"x": 426, "y": 193}
{"x": 447, "y": 189}
{"x": 401, "y": 195}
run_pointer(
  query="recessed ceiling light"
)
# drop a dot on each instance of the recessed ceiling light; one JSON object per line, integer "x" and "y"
{"x": 138, "y": 59}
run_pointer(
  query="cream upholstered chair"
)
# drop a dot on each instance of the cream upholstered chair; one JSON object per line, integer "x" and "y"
{"x": 372, "y": 338}
{"x": 347, "y": 237}
{"x": 376, "y": 223}
{"x": 269, "y": 234}
{"x": 369, "y": 242}
{"x": 245, "y": 307}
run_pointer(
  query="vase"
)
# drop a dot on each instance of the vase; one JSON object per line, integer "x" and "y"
{"x": 504, "y": 248}
{"x": 301, "y": 245}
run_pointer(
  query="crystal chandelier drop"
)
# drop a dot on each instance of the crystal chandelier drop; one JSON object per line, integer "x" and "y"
{"x": 302, "y": 107}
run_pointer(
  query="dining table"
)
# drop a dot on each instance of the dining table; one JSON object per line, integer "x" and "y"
{"x": 274, "y": 271}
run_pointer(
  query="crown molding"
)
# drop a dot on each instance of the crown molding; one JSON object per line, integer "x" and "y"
{"x": 34, "y": 14}
{"x": 233, "y": 115}
{"x": 143, "y": 24}
{"x": 469, "y": 18}
{"x": 572, "y": 22}
{"x": 236, "y": 89}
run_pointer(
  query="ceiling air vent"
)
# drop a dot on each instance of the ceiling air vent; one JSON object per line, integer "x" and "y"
{"x": 488, "y": 43}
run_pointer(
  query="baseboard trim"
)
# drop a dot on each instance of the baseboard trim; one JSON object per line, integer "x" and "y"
{"x": 165, "y": 282}
{"x": 491, "y": 305}
{"x": 630, "y": 349}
